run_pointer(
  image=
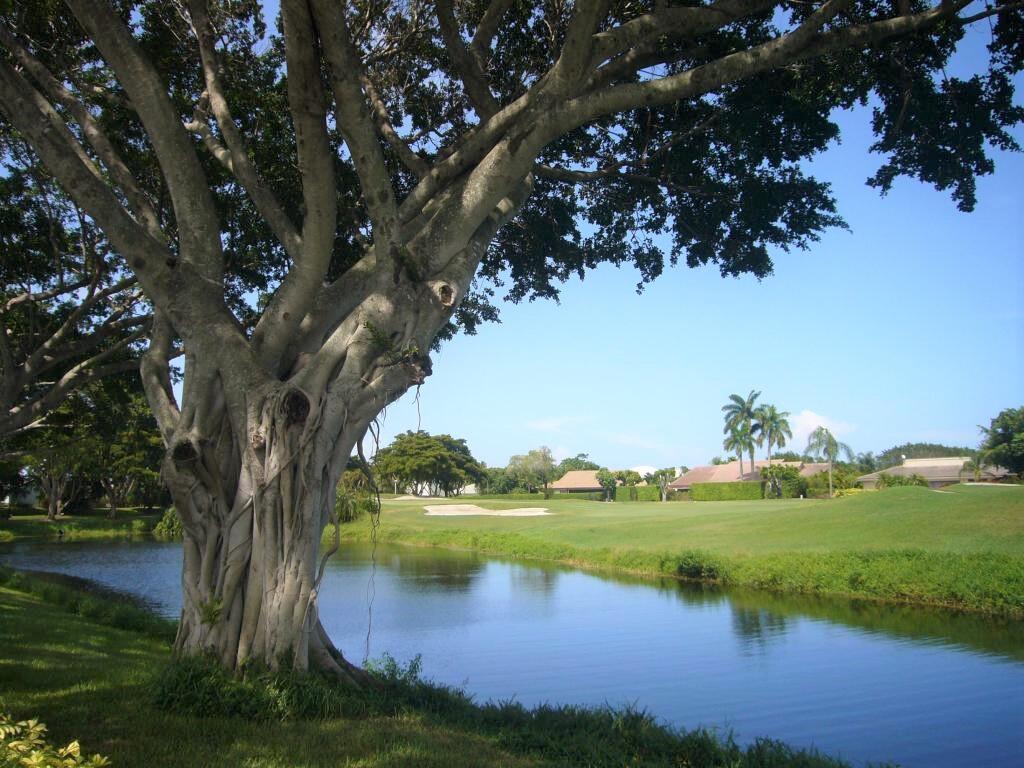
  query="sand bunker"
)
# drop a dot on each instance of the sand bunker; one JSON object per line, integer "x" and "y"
{"x": 461, "y": 510}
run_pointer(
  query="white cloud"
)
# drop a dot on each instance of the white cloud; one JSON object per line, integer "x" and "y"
{"x": 560, "y": 452}
{"x": 634, "y": 441}
{"x": 554, "y": 423}
{"x": 807, "y": 421}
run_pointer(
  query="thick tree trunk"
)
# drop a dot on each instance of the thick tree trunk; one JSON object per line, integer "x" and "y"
{"x": 252, "y": 560}
{"x": 54, "y": 487}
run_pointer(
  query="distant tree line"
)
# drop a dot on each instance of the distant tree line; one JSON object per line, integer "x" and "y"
{"x": 99, "y": 449}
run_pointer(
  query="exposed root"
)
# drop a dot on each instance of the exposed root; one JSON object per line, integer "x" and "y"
{"x": 326, "y": 658}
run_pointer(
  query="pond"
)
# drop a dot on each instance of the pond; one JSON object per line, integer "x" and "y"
{"x": 862, "y": 681}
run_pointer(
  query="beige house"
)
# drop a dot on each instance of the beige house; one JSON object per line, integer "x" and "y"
{"x": 730, "y": 473}
{"x": 576, "y": 480}
{"x": 938, "y": 472}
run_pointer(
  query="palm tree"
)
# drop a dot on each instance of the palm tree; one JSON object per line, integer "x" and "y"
{"x": 822, "y": 442}
{"x": 741, "y": 413}
{"x": 773, "y": 428}
{"x": 740, "y": 439}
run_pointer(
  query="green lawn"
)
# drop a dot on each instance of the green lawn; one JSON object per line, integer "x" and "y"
{"x": 962, "y": 547}
{"x": 129, "y": 522}
{"x": 964, "y": 519}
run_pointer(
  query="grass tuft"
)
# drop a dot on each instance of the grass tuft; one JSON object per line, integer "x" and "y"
{"x": 555, "y": 735}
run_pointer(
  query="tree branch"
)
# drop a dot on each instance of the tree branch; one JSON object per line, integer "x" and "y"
{"x": 25, "y": 414}
{"x": 52, "y": 293}
{"x": 804, "y": 42}
{"x": 409, "y": 159}
{"x": 486, "y": 30}
{"x": 156, "y": 376}
{"x": 467, "y": 66}
{"x": 198, "y": 228}
{"x": 39, "y": 123}
{"x": 673, "y": 22}
{"x": 355, "y": 122}
{"x": 306, "y": 102}
{"x": 241, "y": 166}
{"x": 139, "y": 202}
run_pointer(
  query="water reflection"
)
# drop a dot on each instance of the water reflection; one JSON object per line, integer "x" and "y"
{"x": 539, "y": 581}
{"x": 757, "y": 628}
{"x": 423, "y": 569}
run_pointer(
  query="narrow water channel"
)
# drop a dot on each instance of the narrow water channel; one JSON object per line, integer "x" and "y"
{"x": 862, "y": 681}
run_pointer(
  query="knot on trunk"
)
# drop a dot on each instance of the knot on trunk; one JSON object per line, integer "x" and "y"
{"x": 444, "y": 293}
{"x": 295, "y": 406}
{"x": 258, "y": 439}
{"x": 184, "y": 453}
{"x": 418, "y": 367}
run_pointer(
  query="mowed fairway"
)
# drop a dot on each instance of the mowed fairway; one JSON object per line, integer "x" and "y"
{"x": 962, "y": 547}
{"x": 961, "y": 519}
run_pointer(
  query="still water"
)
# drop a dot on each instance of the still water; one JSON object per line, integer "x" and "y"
{"x": 861, "y": 681}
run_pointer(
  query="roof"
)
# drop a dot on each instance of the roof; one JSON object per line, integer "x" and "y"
{"x": 730, "y": 472}
{"x": 945, "y": 461}
{"x": 948, "y": 469}
{"x": 577, "y": 480}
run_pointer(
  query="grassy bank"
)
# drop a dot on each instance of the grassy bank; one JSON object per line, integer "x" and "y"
{"x": 963, "y": 548}
{"x": 98, "y": 684}
{"x": 128, "y": 523}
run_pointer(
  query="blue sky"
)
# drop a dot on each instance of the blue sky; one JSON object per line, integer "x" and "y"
{"x": 910, "y": 327}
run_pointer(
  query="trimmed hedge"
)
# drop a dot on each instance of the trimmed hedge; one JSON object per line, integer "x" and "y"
{"x": 739, "y": 491}
{"x": 637, "y": 493}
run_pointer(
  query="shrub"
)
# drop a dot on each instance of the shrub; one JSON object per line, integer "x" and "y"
{"x": 896, "y": 481}
{"x": 842, "y": 477}
{"x": 637, "y": 493}
{"x": 140, "y": 527}
{"x": 848, "y": 492}
{"x": 169, "y": 528}
{"x": 352, "y": 504}
{"x": 23, "y": 743}
{"x": 739, "y": 491}
{"x": 782, "y": 482}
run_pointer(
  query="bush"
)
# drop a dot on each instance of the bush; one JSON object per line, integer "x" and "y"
{"x": 739, "y": 491}
{"x": 897, "y": 481}
{"x": 23, "y": 743}
{"x": 842, "y": 492}
{"x": 842, "y": 477}
{"x": 352, "y": 504}
{"x": 169, "y": 528}
{"x": 637, "y": 493}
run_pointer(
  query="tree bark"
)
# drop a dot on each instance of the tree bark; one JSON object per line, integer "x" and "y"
{"x": 252, "y": 561}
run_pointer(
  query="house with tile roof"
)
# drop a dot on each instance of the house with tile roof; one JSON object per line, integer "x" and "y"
{"x": 730, "y": 472}
{"x": 578, "y": 481}
{"x": 937, "y": 471}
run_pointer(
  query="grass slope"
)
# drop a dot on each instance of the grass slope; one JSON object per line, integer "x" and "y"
{"x": 962, "y": 548}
